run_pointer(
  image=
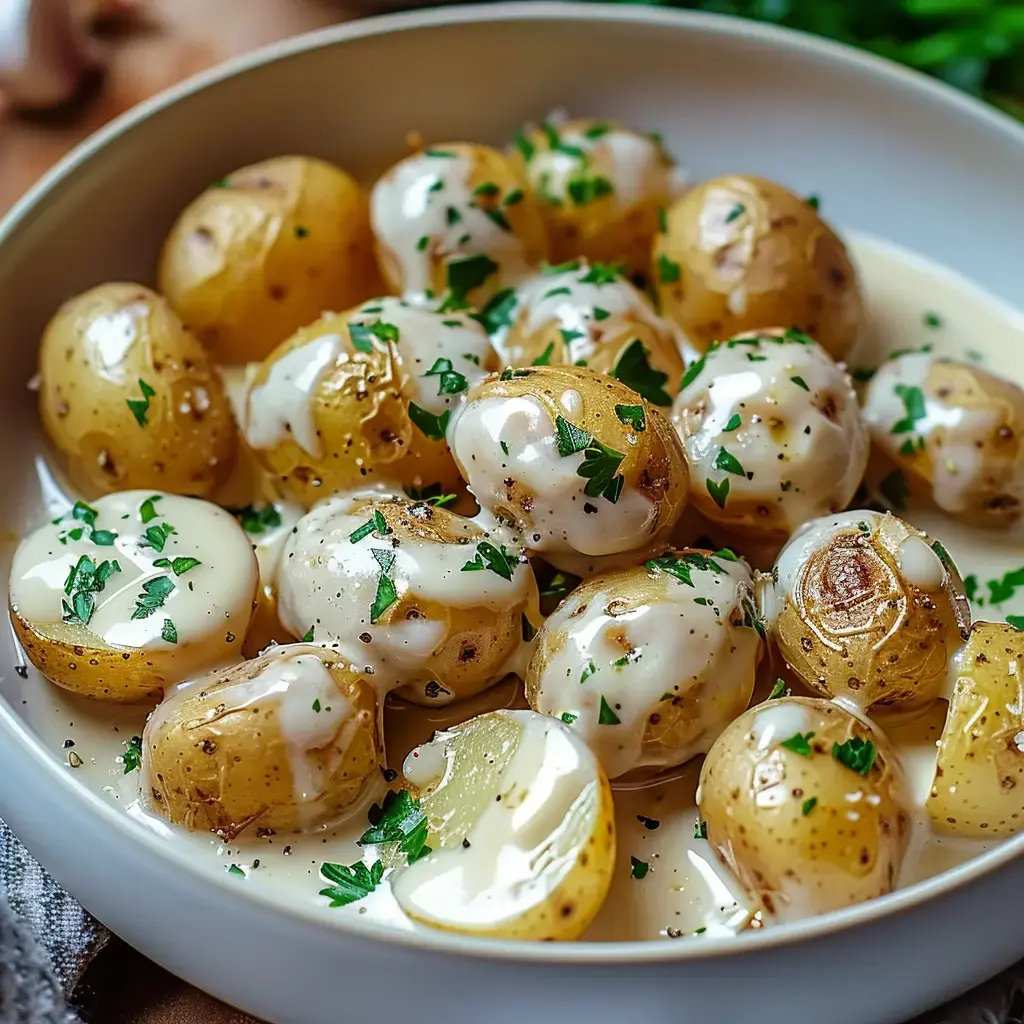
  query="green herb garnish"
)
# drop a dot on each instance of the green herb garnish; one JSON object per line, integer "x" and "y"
{"x": 635, "y": 371}
{"x": 499, "y": 311}
{"x": 463, "y": 276}
{"x": 498, "y": 560}
{"x": 632, "y": 416}
{"x": 154, "y": 594}
{"x": 606, "y": 716}
{"x": 808, "y": 805}
{"x": 451, "y": 381}
{"x": 179, "y": 566}
{"x": 637, "y": 868}
{"x": 255, "y": 519}
{"x": 132, "y": 756}
{"x": 700, "y": 829}
{"x": 913, "y": 404}
{"x": 856, "y": 754}
{"x": 309, "y": 636}
{"x": 544, "y": 359}
{"x": 140, "y": 406}
{"x": 433, "y": 427}
{"x": 728, "y": 463}
{"x": 169, "y": 632}
{"x": 350, "y": 884}
{"x": 799, "y": 743}
{"x": 800, "y": 383}
{"x": 362, "y": 335}
{"x": 386, "y": 594}
{"x": 375, "y": 524}
{"x": 778, "y": 690}
{"x": 668, "y": 270}
{"x": 398, "y": 819}
{"x": 588, "y": 670}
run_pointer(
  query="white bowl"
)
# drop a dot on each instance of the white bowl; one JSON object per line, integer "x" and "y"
{"x": 895, "y": 154}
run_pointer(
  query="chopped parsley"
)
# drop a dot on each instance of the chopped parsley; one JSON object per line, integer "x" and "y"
{"x": 544, "y": 359}
{"x": 487, "y": 189}
{"x": 1004, "y": 588}
{"x": 1017, "y": 621}
{"x": 808, "y": 805}
{"x": 668, "y": 270}
{"x": 316, "y": 705}
{"x": 234, "y": 869}
{"x": 132, "y": 756}
{"x": 778, "y": 690}
{"x": 525, "y": 146}
{"x": 509, "y": 374}
{"x": 735, "y": 213}
{"x": 728, "y": 463}
{"x": 601, "y": 314}
{"x": 179, "y": 566}
{"x": 632, "y": 416}
{"x": 350, "y": 884}
{"x": 718, "y": 492}
{"x": 147, "y": 510}
{"x": 734, "y": 422}
{"x": 606, "y": 716}
{"x": 700, "y": 829}
{"x": 561, "y": 583}
{"x": 588, "y": 670}
{"x": 856, "y": 754}
{"x": 140, "y": 406}
{"x": 800, "y": 383}
{"x": 398, "y": 819}
{"x": 692, "y": 372}
{"x": 499, "y": 310}
{"x": 84, "y": 581}
{"x": 432, "y": 427}
{"x": 932, "y": 320}
{"x": 156, "y": 536}
{"x": 439, "y": 153}
{"x": 432, "y": 494}
{"x": 463, "y": 276}
{"x": 514, "y": 198}
{"x": 585, "y": 188}
{"x": 169, "y": 632}
{"x": 637, "y": 868}
{"x": 498, "y": 560}
{"x": 799, "y": 743}
{"x": 913, "y": 404}
{"x": 362, "y": 335}
{"x": 504, "y": 447}
{"x": 682, "y": 566}
{"x": 635, "y": 371}
{"x": 944, "y": 556}
{"x": 568, "y": 717}
{"x": 256, "y": 520}
{"x": 375, "y": 524}
{"x": 600, "y": 463}
{"x": 602, "y": 273}
{"x": 386, "y": 594}
{"x": 451, "y": 381}
{"x": 568, "y": 337}
{"x": 301, "y": 232}
{"x": 154, "y": 594}
{"x": 555, "y": 142}
{"x": 813, "y": 201}
{"x": 85, "y": 515}
{"x": 309, "y": 635}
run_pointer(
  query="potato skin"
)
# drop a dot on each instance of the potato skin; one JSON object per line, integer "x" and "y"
{"x": 266, "y": 250}
{"x": 95, "y": 351}
{"x": 978, "y": 789}
{"x": 740, "y": 253}
{"x": 801, "y": 858}
{"x": 853, "y": 624}
{"x": 214, "y": 761}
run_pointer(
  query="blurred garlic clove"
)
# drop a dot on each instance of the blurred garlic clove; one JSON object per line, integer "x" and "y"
{"x": 44, "y": 52}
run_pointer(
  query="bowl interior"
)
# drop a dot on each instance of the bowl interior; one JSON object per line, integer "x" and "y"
{"x": 890, "y": 153}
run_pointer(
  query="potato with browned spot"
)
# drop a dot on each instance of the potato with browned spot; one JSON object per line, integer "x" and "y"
{"x": 868, "y": 609}
{"x": 956, "y": 430}
{"x": 440, "y": 606}
{"x": 600, "y": 187}
{"x": 129, "y": 397}
{"x": 521, "y": 830}
{"x": 289, "y": 740}
{"x": 122, "y": 599}
{"x": 807, "y": 804}
{"x": 265, "y": 250}
{"x": 363, "y": 398}
{"x": 590, "y": 472}
{"x": 739, "y": 253}
{"x": 978, "y": 788}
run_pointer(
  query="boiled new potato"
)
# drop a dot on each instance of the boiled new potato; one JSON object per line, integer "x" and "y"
{"x": 266, "y": 250}
{"x": 739, "y": 253}
{"x": 584, "y": 314}
{"x": 956, "y": 431}
{"x": 288, "y": 740}
{"x": 978, "y": 789}
{"x": 599, "y": 185}
{"x": 521, "y": 826}
{"x": 870, "y": 610}
{"x": 807, "y": 805}
{"x": 773, "y": 433}
{"x": 649, "y": 665}
{"x": 121, "y": 599}
{"x": 454, "y": 220}
{"x": 364, "y": 398}
{"x": 438, "y": 606}
{"x": 129, "y": 396}
{"x": 586, "y": 468}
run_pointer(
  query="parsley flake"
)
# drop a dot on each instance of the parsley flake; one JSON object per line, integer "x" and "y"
{"x": 498, "y": 560}
{"x": 451, "y": 381}
{"x": 734, "y": 422}
{"x": 140, "y": 406}
{"x": 700, "y": 829}
{"x": 606, "y": 716}
{"x": 808, "y": 805}
{"x": 778, "y": 690}
{"x": 386, "y": 594}
{"x": 544, "y": 359}
{"x": 375, "y": 524}
{"x": 309, "y": 635}
{"x": 913, "y": 404}
{"x": 433, "y": 427}
{"x": 800, "y": 383}
{"x": 398, "y": 819}
{"x": 637, "y": 868}
{"x": 350, "y": 884}
{"x": 718, "y": 492}
{"x": 856, "y": 754}
{"x": 632, "y": 416}
{"x": 633, "y": 368}
{"x": 463, "y": 276}
{"x": 588, "y": 670}
{"x": 154, "y": 594}
{"x": 668, "y": 270}
{"x": 799, "y": 743}
{"x": 169, "y": 632}
{"x": 728, "y": 463}
{"x": 132, "y": 756}
{"x": 255, "y": 519}
{"x": 362, "y": 335}
{"x": 693, "y": 371}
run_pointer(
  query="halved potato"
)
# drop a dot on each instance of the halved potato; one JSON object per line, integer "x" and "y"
{"x": 978, "y": 788}
{"x": 119, "y": 600}
{"x": 522, "y": 830}
{"x": 289, "y": 740}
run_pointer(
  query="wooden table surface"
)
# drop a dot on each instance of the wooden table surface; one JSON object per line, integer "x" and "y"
{"x": 171, "y": 40}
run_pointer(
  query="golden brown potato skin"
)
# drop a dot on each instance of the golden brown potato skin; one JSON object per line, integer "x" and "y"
{"x": 362, "y": 419}
{"x": 266, "y": 250}
{"x": 801, "y": 858}
{"x": 740, "y": 253}
{"x": 222, "y": 766}
{"x": 978, "y": 789}
{"x": 94, "y": 352}
{"x": 856, "y": 627}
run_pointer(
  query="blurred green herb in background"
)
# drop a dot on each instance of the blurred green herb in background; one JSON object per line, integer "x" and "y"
{"x": 976, "y": 45}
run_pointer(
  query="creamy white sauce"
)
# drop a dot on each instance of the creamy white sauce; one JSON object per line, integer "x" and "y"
{"x": 615, "y": 662}
{"x": 920, "y": 565}
{"x": 788, "y": 416}
{"x": 411, "y": 203}
{"x": 328, "y": 582}
{"x": 204, "y": 602}
{"x": 524, "y": 843}
{"x": 563, "y": 518}
{"x": 282, "y": 406}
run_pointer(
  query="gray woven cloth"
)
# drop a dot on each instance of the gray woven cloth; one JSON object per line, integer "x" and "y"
{"x": 47, "y": 941}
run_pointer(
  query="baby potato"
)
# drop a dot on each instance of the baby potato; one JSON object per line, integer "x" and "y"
{"x": 589, "y": 315}
{"x": 514, "y": 857}
{"x": 455, "y": 220}
{"x": 981, "y": 751}
{"x": 364, "y": 397}
{"x": 129, "y": 398}
{"x": 583, "y": 465}
{"x": 955, "y": 429}
{"x": 869, "y": 611}
{"x": 649, "y": 665}
{"x": 739, "y": 252}
{"x": 772, "y": 429}
{"x": 289, "y": 740}
{"x": 807, "y": 804}
{"x": 122, "y": 599}
{"x": 600, "y": 187}
{"x": 266, "y": 250}
{"x": 437, "y": 605}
